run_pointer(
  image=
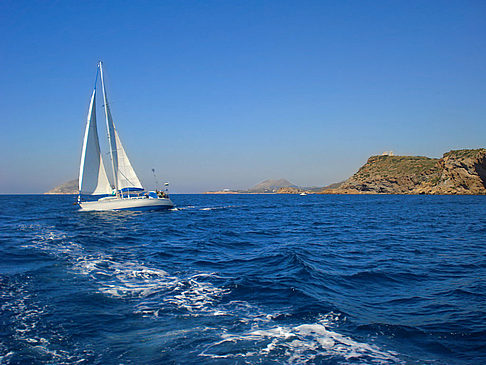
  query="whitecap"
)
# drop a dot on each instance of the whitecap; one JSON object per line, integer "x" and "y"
{"x": 131, "y": 279}
{"x": 296, "y": 343}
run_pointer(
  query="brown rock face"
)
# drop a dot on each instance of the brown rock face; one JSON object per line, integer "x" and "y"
{"x": 460, "y": 172}
{"x": 389, "y": 175}
{"x": 457, "y": 172}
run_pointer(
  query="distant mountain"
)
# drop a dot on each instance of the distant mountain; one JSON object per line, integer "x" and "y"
{"x": 271, "y": 186}
{"x": 70, "y": 187}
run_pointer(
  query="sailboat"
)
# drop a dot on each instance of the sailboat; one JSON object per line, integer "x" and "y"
{"x": 124, "y": 190}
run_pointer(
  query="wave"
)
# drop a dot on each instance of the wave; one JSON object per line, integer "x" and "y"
{"x": 245, "y": 331}
{"x": 129, "y": 279}
{"x": 195, "y": 208}
{"x": 28, "y": 338}
{"x": 296, "y": 343}
{"x": 219, "y": 207}
{"x": 380, "y": 277}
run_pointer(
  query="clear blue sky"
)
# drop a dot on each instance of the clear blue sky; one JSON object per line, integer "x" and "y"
{"x": 217, "y": 94}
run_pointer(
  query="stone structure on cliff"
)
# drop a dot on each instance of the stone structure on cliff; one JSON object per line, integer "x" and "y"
{"x": 457, "y": 172}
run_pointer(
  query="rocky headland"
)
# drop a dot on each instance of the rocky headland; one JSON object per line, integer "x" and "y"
{"x": 457, "y": 172}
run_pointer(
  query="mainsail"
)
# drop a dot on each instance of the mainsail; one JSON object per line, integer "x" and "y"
{"x": 92, "y": 174}
{"x": 124, "y": 175}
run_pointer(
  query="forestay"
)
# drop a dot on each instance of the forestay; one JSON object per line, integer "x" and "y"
{"x": 124, "y": 174}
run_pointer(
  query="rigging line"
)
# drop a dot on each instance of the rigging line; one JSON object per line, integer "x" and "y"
{"x": 96, "y": 79}
{"x": 126, "y": 178}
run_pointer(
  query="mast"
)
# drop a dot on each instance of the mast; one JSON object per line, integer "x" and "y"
{"x": 92, "y": 174}
{"x": 111, "y": 131}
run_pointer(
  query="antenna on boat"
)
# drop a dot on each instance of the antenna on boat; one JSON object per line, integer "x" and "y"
{"x": 155, "y": 178}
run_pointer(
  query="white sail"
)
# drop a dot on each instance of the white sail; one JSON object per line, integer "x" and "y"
{"x": 124, "y": 175}
{"x": 127, "y": 178}
{"x": 92, "y": 174}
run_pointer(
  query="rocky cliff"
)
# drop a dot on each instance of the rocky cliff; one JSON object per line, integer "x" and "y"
{"x": 457, "y": 172}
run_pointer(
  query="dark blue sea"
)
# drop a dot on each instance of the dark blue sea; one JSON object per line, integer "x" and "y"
{"x": 245, "y": 279}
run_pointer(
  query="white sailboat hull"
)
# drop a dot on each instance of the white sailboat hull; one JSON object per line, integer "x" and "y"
{"x": 113, "y": 203}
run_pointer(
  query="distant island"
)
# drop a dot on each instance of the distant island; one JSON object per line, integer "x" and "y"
{"x": 70, "y": 187}
{"x": 276, "y": 186}
{"x": 457, "y": 172}
{"x": 265, "y": 187}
